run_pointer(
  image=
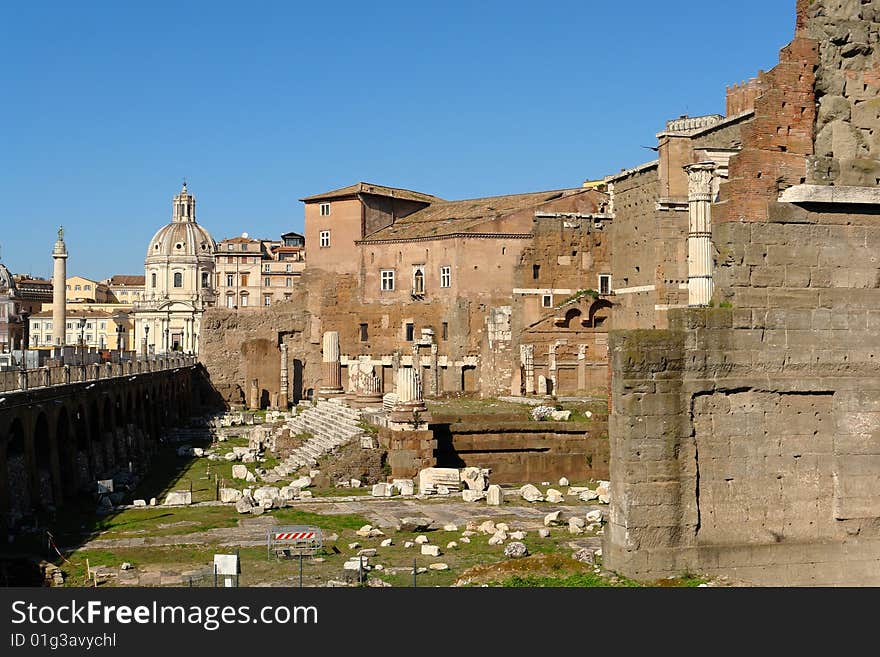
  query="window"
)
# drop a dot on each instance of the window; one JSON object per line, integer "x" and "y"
{"x": 364, "y": 333}
{"x": 229, "y": 247}
{"x": 325, "y": 209}
{"x": 153, "y": 279}
{"x": 230, "y": 301}
{"x": 536, "y": 271}
{"x": 418, "y": 282}
{"x": 547, "y": 300}
{"x": 445, "y": 276}
{"x": 229, "y": 260}
{"x": 604, "y": 283}
{"x": 266, "y": 267}
{"x": 87, "y": 287}
{"x": 244, "y": 299}
{"x": 178, "y": 279}
{"x": 102, "y": 326}
{"x": 325, "y": 238}
{"x": 288, "y": 282}
{"x": 444, "y": 331}
{"x": 244, "y": 280}
{"x": 244, "y": 247}
{"x": 68, "y": 286}
{"x": 267, "y": 282}
{"x": 88, "y": 338}
{"x": 69, "y": 325}
{"x": 230, "y": 280}
{"x": 287, "y": 268}
{"x": 77, "y": 287}
{"x": 410, "y": 331}
{"x": 204, "y": 280}
{"x": 387, "y": 280}
{"x": 267, "y": 299}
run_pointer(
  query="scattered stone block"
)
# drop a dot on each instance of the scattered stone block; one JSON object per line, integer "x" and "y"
{"x": 153, "y": 501}
{"x": 487, "y": 527}
{"x": 439, "y": 566}
{"x": 494, "y": 495}
{"x": 364, "y": 531}
{"x": 421, "y": 540}
{"x": 450, "y": 527}
{"x": 140, "y": 503}
{"x": 544, "y": 532}
{"x": 431, "y": 478}
{"x": 353, "y": 546}
{"x": 355, "y": 483}
{"x": 554, "y": 496}
{"x": 594, "y": 516}
{"x": 472, "y": 495}
{"x": 404, "y": 486}
{"x": 178, "y": 497}
{"x": 516, "y": 550}
{"x": 230, "y": 495}
{"x": 451, "y": 545}
{"x": 531, "y": 493}
{"x": 380, "y": 490}
{"x": 517, "y": 536}
{"x": 475, "y": 479}
{"x": 464, "y": 539}
{"x": 563, "y": 481}
{"x": 386, "y": 543}
{"x": 431, "y": 550}
{"x": 408, "y": 544}
{"x": 584, "y": 555}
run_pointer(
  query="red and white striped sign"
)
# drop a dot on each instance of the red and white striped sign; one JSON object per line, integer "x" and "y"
{"x": 291, "y": 536}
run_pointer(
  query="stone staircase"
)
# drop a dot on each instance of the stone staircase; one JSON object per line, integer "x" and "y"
{"x": 331, "y": 423}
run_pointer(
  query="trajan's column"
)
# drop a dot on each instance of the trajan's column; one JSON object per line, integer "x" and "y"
{"x": 59, "y": 290}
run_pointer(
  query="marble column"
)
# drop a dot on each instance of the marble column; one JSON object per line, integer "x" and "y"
{"x": 435, "y": 371}
{"x": 409, "y": 411}
{"x": 700, "y": 194}
{"x": 331, "y": 364}
{"x": 59, "y": 291}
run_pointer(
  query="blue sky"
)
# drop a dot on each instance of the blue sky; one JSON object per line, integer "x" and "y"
{"x": 106, "y": 106}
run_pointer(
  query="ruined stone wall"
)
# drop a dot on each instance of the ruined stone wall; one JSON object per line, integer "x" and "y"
{"x": 745, "y": 440}
{"x": 633, "y": 258}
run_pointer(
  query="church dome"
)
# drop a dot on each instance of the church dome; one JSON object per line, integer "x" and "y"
{"x": 183, "y": 236}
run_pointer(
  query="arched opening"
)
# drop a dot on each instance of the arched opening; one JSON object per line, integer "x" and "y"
{"x": 43, "y": 462}
{"x": 81, "y": 434}
{"x": 600, "y": 312}
{"x": 94, "y": 420}
{"x": 419, "y": 282}
{"x": 572, "y": 318}
{"x": 67, "y": 449}
{"x": 17, "y": 479}
{"x": 178, "y": 279}
{"x": 108, "y": 437}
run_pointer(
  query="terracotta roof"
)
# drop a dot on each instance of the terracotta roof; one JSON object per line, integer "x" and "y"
{"x": 370, "y": 188}
{"x": 124, "y": 279}
{"x": 241, "y": 240}
{"x": 466, "y": 216}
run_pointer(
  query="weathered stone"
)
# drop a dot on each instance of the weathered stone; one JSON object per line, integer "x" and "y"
{"x": 516, "y": 550}
{"x": 563, "y": 481}
{"x": 230, "y": 495}
{"x": 451, "y": 545}
{"x": 412, "y": 525}
{"x": 367, "y": 552}
{"x": 554, "y": 496}
{"x": 421, "y": 539}
{"x": 178, "y": 497}
{"x": 494, "y": 495}
{"x": 472, "y": 495}
{"x": 518, "y": 535}
{"x": 431, "y": 550}
{"x": 475, "y": 479}
{"x": 553, "y": 519}
{"x": 386, "y": 543}
{"x": 544, "y": 532}
{"x": 244, "y": 505}
{"x": 594, "y": 516}
{"x": 450, "y": 527}
{"x": 464, "y": 539}
{"x": 354, "y": 546}
{"x": 576, "y": 525}
{"x": 364, "y": 531}
{"x": 380, "y": 490}
{"x": 584, "y": 555}
{"x": 588, "y": 495}
{"x": 404, "y": 486}
{"x": 530, "y": 493}
{"x": 408, "y": 544}
{"x": 498, "y": 538}
{"x": 431, "y": 478}
{"x": 439, "y": 566}
{"x": 302, "y": 482}
{"x": 140, "y": 503}
{"x": 488, "y": 527}
{"x": 355, "y": 483}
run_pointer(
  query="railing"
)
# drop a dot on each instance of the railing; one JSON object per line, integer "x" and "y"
{"x": 44, "y": 377}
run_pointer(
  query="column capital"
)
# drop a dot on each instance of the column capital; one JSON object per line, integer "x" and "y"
{"x": 700, "y": 178}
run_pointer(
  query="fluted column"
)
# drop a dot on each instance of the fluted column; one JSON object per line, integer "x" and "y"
{"x": 700, "y": 194}
{"x": 409, "y": 411}
{"x": 331, "y": 364}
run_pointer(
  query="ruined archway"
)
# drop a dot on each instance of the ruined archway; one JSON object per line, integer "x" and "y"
{"x": 17, "y": 478}
{"x": 43, "y": 485}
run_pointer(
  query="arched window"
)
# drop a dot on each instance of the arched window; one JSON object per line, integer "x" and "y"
{"x": 178, "y": 279}
{"x": 153, "y": 279}
{"x": 418, "y": 282}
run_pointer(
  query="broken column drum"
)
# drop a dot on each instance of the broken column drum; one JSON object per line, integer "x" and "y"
{"x": 331, "y": 364}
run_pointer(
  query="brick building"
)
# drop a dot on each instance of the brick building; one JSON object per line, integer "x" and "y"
{"x": 253, "y": 273}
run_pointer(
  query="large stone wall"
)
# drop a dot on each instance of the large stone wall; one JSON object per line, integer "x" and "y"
{"x": 745, "y": 440}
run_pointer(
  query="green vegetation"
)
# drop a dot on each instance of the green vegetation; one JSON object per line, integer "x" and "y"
{"x": 577, "y": 295}
{"x": 580, "y": 580}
